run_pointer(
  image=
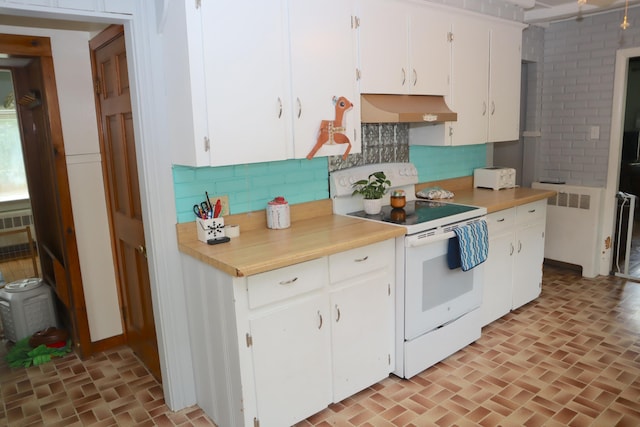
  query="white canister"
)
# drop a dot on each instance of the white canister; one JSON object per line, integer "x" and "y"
{"x": 278, "y": 213}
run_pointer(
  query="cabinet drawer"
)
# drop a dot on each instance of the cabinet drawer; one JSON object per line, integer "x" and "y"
{"x": 358, "y": 261}
{"x": 287, "y": 282}
{"x": 501, "y": 221}
{"x": 531, "y": 212}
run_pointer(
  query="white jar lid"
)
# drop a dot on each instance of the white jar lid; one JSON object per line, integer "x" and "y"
{"x": 23, "y": 285}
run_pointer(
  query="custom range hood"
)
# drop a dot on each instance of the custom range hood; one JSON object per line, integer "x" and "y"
{"x": 428, "y": 109}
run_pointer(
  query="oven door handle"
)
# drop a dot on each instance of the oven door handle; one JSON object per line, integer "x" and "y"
{"x": 422, "y": 239}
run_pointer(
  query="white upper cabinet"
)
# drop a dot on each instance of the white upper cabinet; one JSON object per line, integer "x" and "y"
{"x": 404, "y": 48}
{"x": 485, "y": 90}
{"x": 255, "y": 80}
{"x": 504, "y": 83}
{"x": 246, "y": 81}
{"x": 323, "y": 66}
{"x": 485, "y": 83}
{"x": 470, "y": 80}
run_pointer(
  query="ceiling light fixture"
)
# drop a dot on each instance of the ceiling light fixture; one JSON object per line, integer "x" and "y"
{"x": 625, "y": 23}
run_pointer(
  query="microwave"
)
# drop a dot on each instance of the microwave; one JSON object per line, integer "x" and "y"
{"x": 495, "y": 178}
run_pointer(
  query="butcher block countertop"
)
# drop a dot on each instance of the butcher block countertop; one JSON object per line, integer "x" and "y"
{"x": 493, "y": 200}
{"x": 315, "y": 232}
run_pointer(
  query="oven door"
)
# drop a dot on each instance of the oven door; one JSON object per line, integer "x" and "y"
{"x": 435, "y": 294}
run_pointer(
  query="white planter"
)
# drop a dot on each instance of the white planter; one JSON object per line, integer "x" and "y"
{"x": 372, "y": 206}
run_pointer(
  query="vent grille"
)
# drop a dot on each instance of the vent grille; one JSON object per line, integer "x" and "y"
{"x": 571, "y": 200}
{"x": 16, "y": 221}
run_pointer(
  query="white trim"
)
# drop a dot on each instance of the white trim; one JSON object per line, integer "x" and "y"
{"x": 615, "y": 149}
{"x": 156, "y": 187}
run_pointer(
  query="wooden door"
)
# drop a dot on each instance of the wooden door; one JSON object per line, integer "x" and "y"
{"x": 46, "y": 168}
{"x": 113, "y": 103}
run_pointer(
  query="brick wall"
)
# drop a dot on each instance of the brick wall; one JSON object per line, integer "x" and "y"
{"x": 577, "y": 93}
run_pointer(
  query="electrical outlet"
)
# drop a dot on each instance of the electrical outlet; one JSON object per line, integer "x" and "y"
{"x": 224, "y": 201}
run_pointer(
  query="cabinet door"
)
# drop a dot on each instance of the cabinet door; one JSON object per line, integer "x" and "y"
{"x": 498, "y": 276}
{"x": 323, "y": 65}
{"x": 382, "y": 42}
{"x": 527, "y": 276}
{"x": 246, "y": 64}
{"x": 504, "y": 83}
{"x": 291, "y": 361}
{"x": 469, "y": 82}
{"x": 362, "y": 333}
{"x": 429, "y": 51}
{"x": 184, "y": 69}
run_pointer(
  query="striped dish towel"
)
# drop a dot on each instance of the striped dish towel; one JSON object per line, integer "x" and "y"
{"x": 470, "y": 247}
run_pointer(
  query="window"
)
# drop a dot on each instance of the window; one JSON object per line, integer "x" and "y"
{"x": 13, "y": 179}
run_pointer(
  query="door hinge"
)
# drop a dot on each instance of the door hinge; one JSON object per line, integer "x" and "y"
{"x": 450, "y": 36}
{"x": 389, "y": 359}
{"x": 249, "y": 340}
{"x": 355, "y": 22}
{"x": 198, "y": 4}
{"x": 207, "y": 144}
{"x": 388, "y": 288}
{"x": 358, "y": 74}
{"x": 256, "y": 422}
{"x": 97, "y": 86}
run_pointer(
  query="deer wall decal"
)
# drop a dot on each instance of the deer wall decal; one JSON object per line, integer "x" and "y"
{"x": 332, "y": 131}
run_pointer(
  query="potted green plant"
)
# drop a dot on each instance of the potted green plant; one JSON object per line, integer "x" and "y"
{"x": 372, "y": 189}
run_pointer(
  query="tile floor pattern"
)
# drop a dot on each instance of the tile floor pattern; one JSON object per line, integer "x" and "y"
{"x": 570, "y": 358}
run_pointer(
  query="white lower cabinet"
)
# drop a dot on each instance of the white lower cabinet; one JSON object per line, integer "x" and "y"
{"x": 291, "y": 361}
{"x": 513, "y": 270}
{"x": 274, "y": 348}
{"x": 362, "y": 318}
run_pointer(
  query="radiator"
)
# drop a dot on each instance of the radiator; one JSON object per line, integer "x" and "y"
{"x": 13, "y": 220}
{"x": 573, "y": 225}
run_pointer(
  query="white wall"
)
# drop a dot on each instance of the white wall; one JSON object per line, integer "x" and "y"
{"x": 77, "y": 110}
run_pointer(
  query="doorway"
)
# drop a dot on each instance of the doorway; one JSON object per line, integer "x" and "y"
{"x": 626, "y": 251}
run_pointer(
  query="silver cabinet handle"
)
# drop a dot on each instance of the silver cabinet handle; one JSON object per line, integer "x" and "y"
{"x": 500, "y": 220}
{"x": 512, "y": 249}
{"x": 361, "y": 259}
{"x": 493, "y": 107}
{"x": 404, "y": 76}
{"x": 280, "y": 107}
{"x": 532, "y": 211}
{"x": 484, "y": 108}
{"x": 320, "y": 318}
{"x": 337, "y": 313}
{"x": 519, "y": 246}
{"x": 299, "y": 107}
{"x": 415, "y": 77}
{"x": 288, "y": 282}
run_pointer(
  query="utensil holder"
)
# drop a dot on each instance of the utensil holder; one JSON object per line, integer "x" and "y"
{"x": 212, "y": 228}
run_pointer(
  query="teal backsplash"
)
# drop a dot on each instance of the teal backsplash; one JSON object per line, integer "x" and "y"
{"x": 251, "y": 186}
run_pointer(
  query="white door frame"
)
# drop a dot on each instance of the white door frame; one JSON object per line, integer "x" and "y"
{"x": 615, "y": 153}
